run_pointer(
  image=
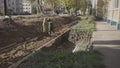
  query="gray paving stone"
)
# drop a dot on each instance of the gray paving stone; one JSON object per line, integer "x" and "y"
{"x": 107, "y": 40}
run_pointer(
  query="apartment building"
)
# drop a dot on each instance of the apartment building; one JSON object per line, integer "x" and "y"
{"x": 11, "y": 6}
{"x": 113, "y": 13}
{"x": 109, "y": 10}
{"x": 16, "y": 6}
{"x": 26, "y": 6}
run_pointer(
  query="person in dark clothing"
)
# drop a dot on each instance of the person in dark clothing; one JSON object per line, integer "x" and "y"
{"x": 57, "y": 12}
{"x": 50, "y": 26}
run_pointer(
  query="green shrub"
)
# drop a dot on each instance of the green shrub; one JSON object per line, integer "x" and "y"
{"x": 63, "y": 59}
{"x": 86, "y": 24}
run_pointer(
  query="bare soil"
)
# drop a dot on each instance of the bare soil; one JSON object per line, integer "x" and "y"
{"x": 23, "y": 36}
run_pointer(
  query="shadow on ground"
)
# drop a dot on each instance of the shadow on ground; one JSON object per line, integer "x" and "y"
{"x": 111, "y": 55}
{"x": 111, "y": 42}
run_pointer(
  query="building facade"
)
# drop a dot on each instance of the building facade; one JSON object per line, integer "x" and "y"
{"x": 16, "y": 7}
{"x": 113, "y": 13}
{"x": 109, "y": 10}
{"x": 113, "y": 10}
{"x": 26, "y": 6}
{"x": 11, "y": 6}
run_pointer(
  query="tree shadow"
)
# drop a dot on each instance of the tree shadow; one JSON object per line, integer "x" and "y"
{"x": 66, "y": 46}
{"x": 111, "y": 42}
{"x": 111, "y": 55}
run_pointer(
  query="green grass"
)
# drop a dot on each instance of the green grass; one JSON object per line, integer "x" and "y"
{"x": 86, "y": 24}
{"x": 64, "y": 60}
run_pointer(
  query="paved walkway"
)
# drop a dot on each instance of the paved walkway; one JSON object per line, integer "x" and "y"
{"x": 107, "y": 41}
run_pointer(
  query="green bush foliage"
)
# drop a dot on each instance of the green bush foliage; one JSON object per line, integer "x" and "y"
{"x": 87, "y": 24}
{"x": 63, "y": 59}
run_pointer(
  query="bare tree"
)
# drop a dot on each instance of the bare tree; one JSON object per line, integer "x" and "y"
{"x": 5, "y": 7}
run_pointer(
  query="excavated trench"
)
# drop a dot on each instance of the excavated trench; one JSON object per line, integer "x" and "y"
{"x": 20, "y": 39}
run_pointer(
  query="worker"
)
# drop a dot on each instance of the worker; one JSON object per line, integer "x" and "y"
{"x": 50, "y": 27}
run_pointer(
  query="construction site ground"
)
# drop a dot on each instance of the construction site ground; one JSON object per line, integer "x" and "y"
{"x": 23, "y": 36}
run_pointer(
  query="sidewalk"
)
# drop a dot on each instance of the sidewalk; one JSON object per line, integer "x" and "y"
{"x": 107, "y": 40}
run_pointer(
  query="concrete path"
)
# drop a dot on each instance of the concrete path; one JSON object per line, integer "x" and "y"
{"x": 107, "y": 40}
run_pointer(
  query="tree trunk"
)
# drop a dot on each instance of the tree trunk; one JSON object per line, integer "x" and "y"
{"x": 37, "y": 10}
{"x": 5, "y": 7}
{"x": 53, "y": 7}
{"x": 40, "y": 6}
